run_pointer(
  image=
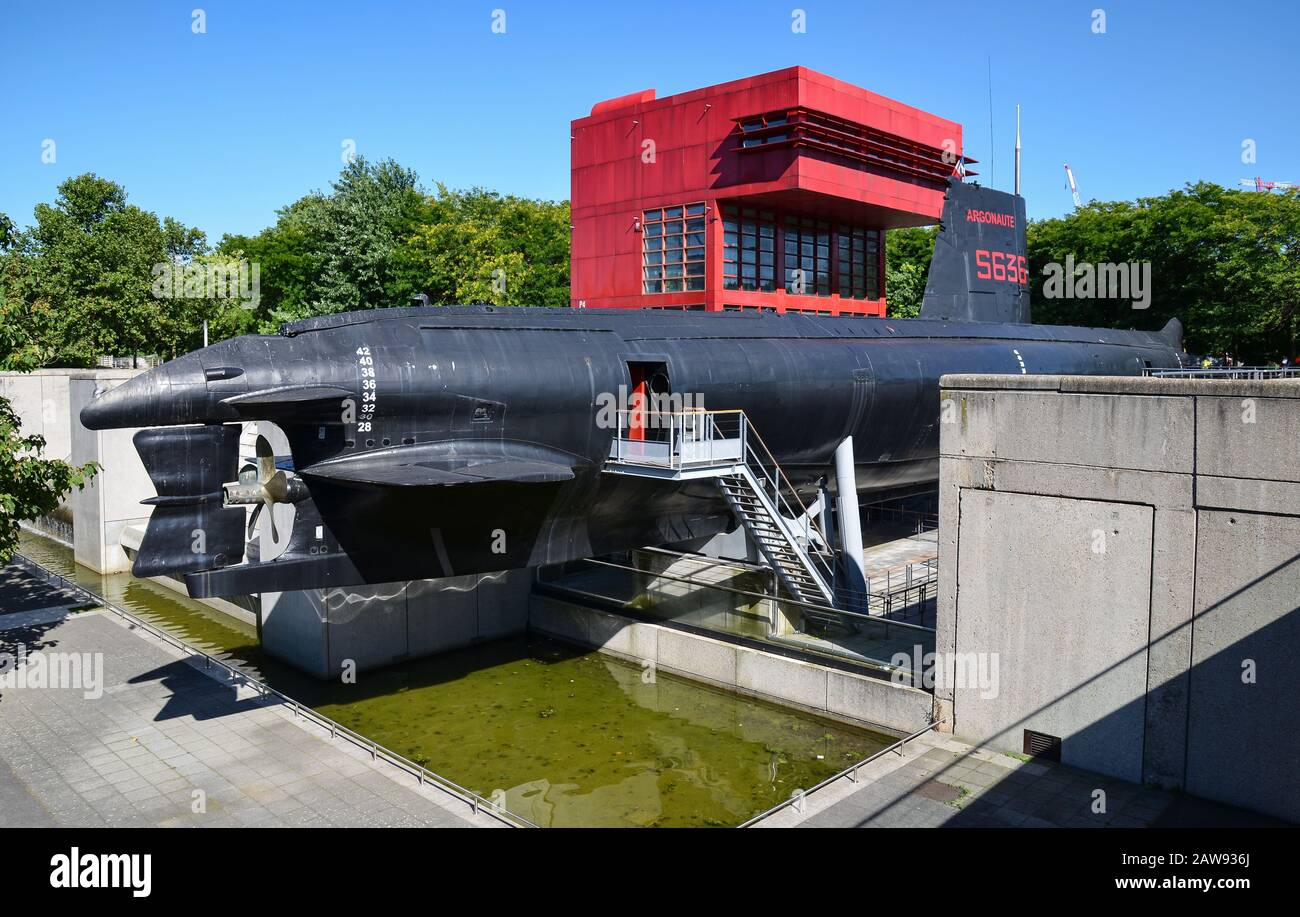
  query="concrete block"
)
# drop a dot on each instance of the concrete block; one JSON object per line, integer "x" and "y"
{"x": 503, "y": 603}
{"x": 1248, "y": 495}
{"x": 559, "y": 619}
{"x": 40, "y": 399}
{"x": 1088, "y": 482}
{"x": 1243, "y": 744}
{"x": 624, "y": 637}
{"x": 1156, "y": 434}
{"x": 1248, "y": 437}
{"x": 1065, "y": 623}
{"x": 872, "y": 700}
{"x": 1173, "y": 579}
{"x": 1223, "y": 537}
{"x": 790, "y": 680}
{"x": 702, "y": 657}
{"x": 442, "y": 614}
{"x": 294, "y": 630}
{"x": 366, "y": 626}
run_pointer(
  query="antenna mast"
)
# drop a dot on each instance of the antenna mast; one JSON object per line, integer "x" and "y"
{"x": 1017, "y": 150}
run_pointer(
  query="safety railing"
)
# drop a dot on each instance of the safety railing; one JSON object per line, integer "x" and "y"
{"x": 1227, "y": 372}
{"x": 300, "y": 710}
{"x": 800, "y": 797}
{"x": 818, "y": 545}
{"x": 922, "y": 521}
{"x": 611, "y": 582}
{"x": 681, "y": 440}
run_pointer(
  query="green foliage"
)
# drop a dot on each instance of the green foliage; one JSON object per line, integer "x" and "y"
{"x": 479, "y": 245}
{"x": 907, "y": 264}
{"x": 1224, "y": 262}
{"x": 30, "y": 486}
{"x": 290, "y": 257}
{"x": 79, "y": 283}
{"x": 377, "y": 239}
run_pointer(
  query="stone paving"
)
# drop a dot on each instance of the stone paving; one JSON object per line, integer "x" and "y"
{"x": 163, "y": 729}
{"x": 892, "y": 557}
{"x": 946, "y": 784}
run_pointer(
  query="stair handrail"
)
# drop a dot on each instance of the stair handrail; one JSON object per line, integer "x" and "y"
{"x": 776, "y": 481}
{"x": 756, "y": 456}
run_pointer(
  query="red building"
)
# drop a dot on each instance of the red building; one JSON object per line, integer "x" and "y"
{"x": 770, "y": 192}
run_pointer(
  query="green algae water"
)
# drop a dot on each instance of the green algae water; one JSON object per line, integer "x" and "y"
{"x": 562, "y": 736}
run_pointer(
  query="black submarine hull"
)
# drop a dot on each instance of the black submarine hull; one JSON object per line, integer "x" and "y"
{"x": 389, "y": 412}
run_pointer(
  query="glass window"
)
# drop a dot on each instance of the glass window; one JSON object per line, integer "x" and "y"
{"x": 673, "y": 248}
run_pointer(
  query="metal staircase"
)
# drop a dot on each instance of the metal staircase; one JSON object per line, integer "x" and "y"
{"x": 724, "y": 446}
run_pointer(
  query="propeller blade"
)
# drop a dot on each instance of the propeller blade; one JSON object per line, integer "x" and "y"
{"x": 265, "y": 459}
{"x": 275, "y": 533}
{"x": 277, "y": 486}
{"x": 252, "y": 520}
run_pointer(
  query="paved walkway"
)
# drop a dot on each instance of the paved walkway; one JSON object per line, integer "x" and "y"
{"x": 165, "y": 736}
{"x": 946, "y": 784}
{"x": 893, "y": 557}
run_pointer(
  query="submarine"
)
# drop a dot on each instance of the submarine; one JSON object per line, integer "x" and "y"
{"x": 436, "y": 441}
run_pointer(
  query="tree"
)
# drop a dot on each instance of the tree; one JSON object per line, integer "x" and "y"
{"x": 480, "y": 245}
{"x": 1225, "y": 262}
{"x": 79, "y": 283}
{"x": 290, "y": 258}
{"x": 372, "y": 209}
{"x": 30, "y": 486}
{"x": 907, "y": 265}
{"x": 377, "y": 239}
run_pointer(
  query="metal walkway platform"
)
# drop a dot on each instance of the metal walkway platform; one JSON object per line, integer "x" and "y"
{"x": 724, "y": 446}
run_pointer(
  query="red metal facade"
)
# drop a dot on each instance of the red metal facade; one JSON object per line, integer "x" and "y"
{"x": 794, "y": 157}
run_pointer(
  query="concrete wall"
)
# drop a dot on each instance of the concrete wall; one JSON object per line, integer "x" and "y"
{"x": 1128, "y": 550}
{"x": 111, "y": 501}
{"x": 318, "y": 630}
{"x": 49, "y": 403}
{"x": 40, "y": 399}
{"x": 857, "y": 699}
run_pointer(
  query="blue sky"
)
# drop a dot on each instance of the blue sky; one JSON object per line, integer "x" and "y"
{"x": 220, "y": 129}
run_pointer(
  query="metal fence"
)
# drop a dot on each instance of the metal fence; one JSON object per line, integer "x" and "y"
{"x": 799, "y": 797}
{"x": 1227, "y": 372}
{"x": 300, "y": 710}
{"x": 922, "y": 522}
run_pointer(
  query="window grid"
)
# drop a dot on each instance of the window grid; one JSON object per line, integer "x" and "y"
{"x": 749, "y": 250}
{"x": 752, "y": 239}
{"x": 673, "y": 246}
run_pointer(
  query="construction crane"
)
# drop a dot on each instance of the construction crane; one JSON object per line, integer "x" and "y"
{"x": 1074, "y": 188}
{"x": 1260, "y": 185}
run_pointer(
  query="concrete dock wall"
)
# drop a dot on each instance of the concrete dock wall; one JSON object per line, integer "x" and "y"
{"x": 111, "y": 501}
{"x": 1128, "y": 551}
{"x": 321, "y": 630}
{"x": 857, "y": 699}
